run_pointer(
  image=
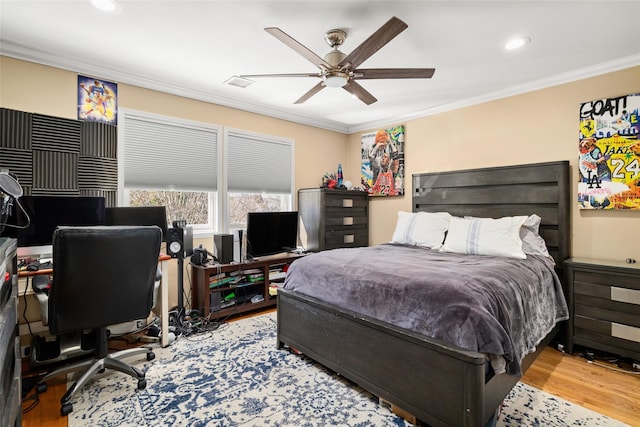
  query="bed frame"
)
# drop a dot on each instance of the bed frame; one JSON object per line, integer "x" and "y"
{"x": 438, "y": 384}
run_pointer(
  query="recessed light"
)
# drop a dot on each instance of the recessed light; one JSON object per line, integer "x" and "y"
{"x": 517, "y": 43}
{"x": 106, "y": 5}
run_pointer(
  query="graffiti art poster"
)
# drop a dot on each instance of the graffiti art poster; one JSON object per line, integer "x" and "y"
{"x": 609, "y": 153}
{"x": 97, "y": 101}
{"x": 382, "y": 171}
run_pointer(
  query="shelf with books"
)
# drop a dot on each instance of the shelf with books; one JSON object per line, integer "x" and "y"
{"x": 221, "y": 290}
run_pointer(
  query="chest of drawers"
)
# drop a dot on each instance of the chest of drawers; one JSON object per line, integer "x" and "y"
{"x": 331, "y": 219}
{"x": 604, "y": 304}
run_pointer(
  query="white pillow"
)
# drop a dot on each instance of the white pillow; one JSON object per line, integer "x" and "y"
{"x": 423, "y": 229}
{"x": 532, "y": 243}
{"x": 486, "y": 236}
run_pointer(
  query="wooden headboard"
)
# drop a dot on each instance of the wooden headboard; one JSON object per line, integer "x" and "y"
{"x": 540, "y": 188}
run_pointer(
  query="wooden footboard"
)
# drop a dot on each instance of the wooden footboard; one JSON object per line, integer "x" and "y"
{"x": 440, "y": 385}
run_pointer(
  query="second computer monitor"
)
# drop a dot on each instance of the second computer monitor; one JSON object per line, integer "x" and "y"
{"x": 138, "y": 215}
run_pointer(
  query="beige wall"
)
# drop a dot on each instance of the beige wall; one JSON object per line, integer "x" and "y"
{"x": 34, "y": 88}
{"x": 534, "y": 127}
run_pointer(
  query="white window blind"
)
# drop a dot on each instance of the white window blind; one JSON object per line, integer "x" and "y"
{"x": 166, "y": 153}
{"x": 258, "y": 163}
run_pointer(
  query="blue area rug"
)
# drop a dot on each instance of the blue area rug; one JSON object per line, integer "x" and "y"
{"x": 236, "y": 377}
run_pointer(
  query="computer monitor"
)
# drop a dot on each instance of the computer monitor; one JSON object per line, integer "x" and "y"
{"x": 138, "y": 215}
{"x": 45, "y": 213}
{"x": 271, "y": 232}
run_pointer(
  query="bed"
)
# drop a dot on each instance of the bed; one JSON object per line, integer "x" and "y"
{"x": 437, "y": 382}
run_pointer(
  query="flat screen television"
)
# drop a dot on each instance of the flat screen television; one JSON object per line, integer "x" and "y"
{"x": 270, "y": 233}
{"x": 48, "y": 212}
{"x": 138, "y": 215}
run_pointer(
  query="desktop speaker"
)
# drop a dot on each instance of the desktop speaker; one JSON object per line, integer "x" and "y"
{"x": 179, "y": 242}
{"x": 224, "y": 247}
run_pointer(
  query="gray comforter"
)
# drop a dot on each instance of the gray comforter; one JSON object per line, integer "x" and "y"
{"x": 493, "y": 305}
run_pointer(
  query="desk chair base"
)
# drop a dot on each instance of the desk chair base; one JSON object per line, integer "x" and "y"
{"x": 95, "y": 366}
{"x": 64, "y": 347}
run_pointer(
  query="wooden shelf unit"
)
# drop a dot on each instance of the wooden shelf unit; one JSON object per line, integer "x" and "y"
{"x": 238, "y": 285}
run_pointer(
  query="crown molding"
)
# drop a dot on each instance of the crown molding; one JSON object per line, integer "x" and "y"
{"x": 558, "y": 79}
{"x": 27, "y": 54}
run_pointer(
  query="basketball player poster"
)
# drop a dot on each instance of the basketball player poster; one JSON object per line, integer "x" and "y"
{"x": 97, "y": 100}
{"x": 382, "y": 171}
{"x": 609, "y": 153}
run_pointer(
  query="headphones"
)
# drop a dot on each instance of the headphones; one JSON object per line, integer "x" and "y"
{"x": 201, "y": 255}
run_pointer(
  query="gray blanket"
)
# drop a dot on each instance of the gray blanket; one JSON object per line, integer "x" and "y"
{"x": 493, "y": 305}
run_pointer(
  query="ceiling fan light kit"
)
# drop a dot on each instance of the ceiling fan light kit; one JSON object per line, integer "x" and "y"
{"x": 340, "y": 70}
{"x": 335, "y": 79}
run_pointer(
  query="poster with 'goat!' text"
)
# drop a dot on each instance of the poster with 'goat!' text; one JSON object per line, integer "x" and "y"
{"x": 609, "y": 153}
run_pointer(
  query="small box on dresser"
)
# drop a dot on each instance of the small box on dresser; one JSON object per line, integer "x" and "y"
{"x": 604, "y": 305}
{"x": 331, "y": 219}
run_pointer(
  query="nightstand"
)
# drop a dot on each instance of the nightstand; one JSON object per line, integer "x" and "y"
{"x": 604, "y": 305}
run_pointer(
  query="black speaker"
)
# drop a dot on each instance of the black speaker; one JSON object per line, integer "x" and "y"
{"x": 179, "y": 242}
{"x": 224, "y": 247}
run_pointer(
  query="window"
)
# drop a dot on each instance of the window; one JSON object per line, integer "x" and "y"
{"x": 186, "y": 171}
{"x": 259, "y": 175}
{"x": 170, "y": 162}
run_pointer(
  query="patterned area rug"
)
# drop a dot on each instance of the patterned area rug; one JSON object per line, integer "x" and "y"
{"x": 235, "y": 376}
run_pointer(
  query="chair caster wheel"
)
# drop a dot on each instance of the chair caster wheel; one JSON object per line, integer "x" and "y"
{"x": 150, "y": 356}
{"x": 41, "y": 388}
{"x": 66, "y": 409}
{"x": 142, "y": 384}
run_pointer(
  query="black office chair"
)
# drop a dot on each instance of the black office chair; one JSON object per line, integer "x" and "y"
{"x": 101, "y": 276}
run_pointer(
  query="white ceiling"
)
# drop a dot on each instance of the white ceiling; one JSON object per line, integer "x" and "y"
{"x": 190, "y": 48}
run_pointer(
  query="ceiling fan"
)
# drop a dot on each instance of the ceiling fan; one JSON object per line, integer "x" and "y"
{"x": 340, "y": 70}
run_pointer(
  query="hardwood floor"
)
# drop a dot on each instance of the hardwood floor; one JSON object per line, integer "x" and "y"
{"x": 604, "y": 390}
{"x": 597, "y": 386}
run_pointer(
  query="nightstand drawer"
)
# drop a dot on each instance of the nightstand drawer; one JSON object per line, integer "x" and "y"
{"x": 604, "y": 306}
{"x": 612, "y": 311}
{"x": 624, "y": 338}
{"x": 603, "y": 279}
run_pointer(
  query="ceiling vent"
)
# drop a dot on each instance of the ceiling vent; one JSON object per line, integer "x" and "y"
{"x": 238, "y": 81}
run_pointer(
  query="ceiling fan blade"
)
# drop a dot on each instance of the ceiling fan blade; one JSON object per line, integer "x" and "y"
{"x": 359, "y": 92}
{"x": 251, "y": 76}
{"x": 393, "y": 73}
{"x": 384, "y": 35}
{"x": 317, "y": 88}
{"x": 298, "y": 47}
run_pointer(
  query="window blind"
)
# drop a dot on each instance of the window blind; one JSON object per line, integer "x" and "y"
{"x": 258, "y": 164}
{"x": 165, "y": 153}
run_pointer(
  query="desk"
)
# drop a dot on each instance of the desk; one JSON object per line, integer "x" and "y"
{"x": 161, "y": 309}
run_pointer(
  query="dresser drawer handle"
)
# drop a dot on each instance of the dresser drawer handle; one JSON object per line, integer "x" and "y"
{"x": 347, "y": 203}
{"x": 349, "y": 238}
{"x": 630, "y": 296}
{"x": 625, "y": 332}
{"x": 347, "y": 220}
